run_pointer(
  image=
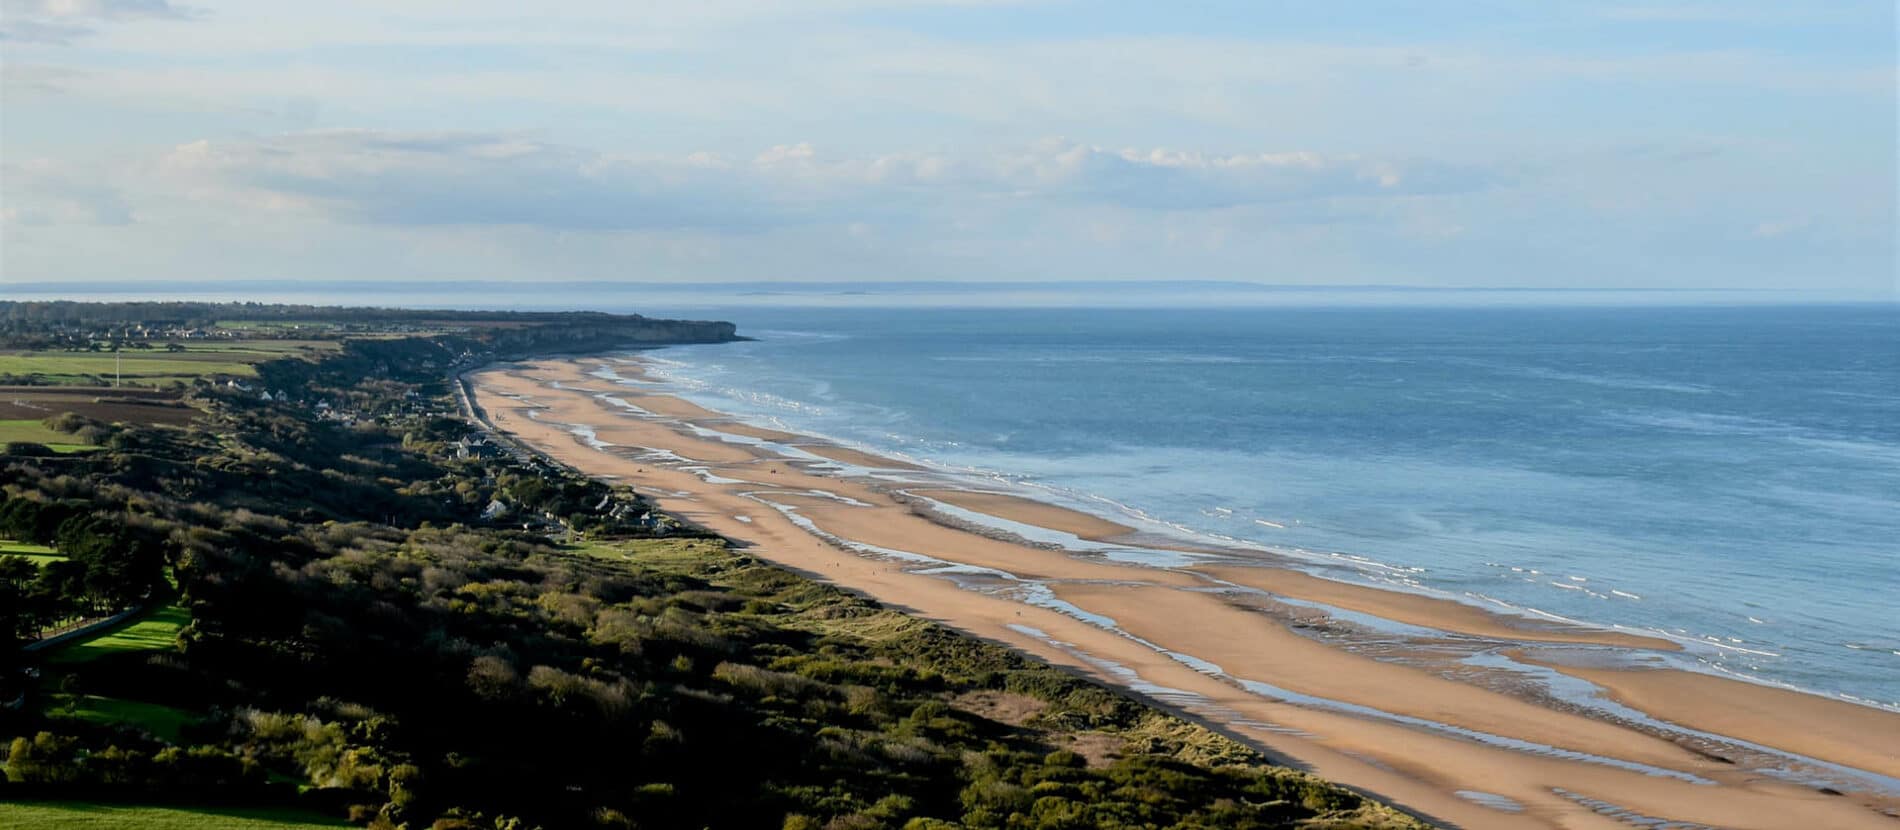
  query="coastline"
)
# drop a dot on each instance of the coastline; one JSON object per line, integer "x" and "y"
{"x": 1282, "y": 659}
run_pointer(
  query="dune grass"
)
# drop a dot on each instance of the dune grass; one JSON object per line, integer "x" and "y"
{"x": 72, "y": 815}
{"x": 648, "y": 551}
{"x": 153, "y": 631}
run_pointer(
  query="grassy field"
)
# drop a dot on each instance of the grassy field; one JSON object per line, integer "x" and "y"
{"x": 24, "y": 548}
{"x": 155, "y": 367}
{"x": 154, "y": 631}
{"x": 70, "y": 815}
{"x": 36, "y": 432}
{"x": 40, "y": 554}
{"x": 73, "y": 367}
{"x": 164, "y": 722}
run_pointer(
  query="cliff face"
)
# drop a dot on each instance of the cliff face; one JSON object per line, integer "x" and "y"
{"x": 676, "y": 331}
{"x": 583, "y": 334}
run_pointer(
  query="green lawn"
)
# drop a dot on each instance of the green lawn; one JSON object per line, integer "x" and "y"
{"x": 154, "y": 631}
{"x": 70, "y": 815}
{"x": 8, "y": 546}
{"x": 164, "y": 722}
{"x": 36, "y": 432}
{"x": 40, "y": 554}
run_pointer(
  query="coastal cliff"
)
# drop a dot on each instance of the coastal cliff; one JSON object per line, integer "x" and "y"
{"x": 582, "y": 333}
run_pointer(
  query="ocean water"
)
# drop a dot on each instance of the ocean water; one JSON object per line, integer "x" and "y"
{"x": 1727, "y": 476}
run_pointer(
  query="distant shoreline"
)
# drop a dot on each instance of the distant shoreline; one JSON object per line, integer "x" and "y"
{"x": 1353, "y": 718}
{"x": 679, "y": 298}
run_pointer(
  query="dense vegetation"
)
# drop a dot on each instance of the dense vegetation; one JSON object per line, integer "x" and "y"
{"x": 75, "y": 325}
{"x": 333, "y": 618}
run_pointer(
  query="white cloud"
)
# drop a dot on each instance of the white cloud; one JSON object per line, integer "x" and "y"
{"x": 479, "y": 179}
{"x": 43, "y": 192}
{"x": 60, "y": 22}
{"x": 741, "y": 138}
{"x": 91, "y": 9}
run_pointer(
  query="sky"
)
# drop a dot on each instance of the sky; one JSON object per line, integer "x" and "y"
{"x": 1628, "y": 144}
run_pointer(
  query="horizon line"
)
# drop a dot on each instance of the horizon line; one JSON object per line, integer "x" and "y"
{"x": 386, "y": 285}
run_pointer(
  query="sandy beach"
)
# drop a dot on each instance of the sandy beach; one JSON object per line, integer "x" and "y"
{"x": 1440, "y": 707}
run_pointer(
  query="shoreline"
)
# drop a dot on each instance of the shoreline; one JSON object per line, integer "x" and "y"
{"x": 1011, "y": 510}
{"x": 1418, "y": 712}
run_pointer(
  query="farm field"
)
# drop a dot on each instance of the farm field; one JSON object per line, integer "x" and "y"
{"x": 34, "y": 404}
{"x": 266, "y": 349}
{"x": 279, "y": 328}
{"x": 154, "y": 367}
{"x": 84, "y": 367}
{"x": 73, "y": 815}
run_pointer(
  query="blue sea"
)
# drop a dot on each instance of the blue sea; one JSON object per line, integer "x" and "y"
{"x": 1726, "y": 476}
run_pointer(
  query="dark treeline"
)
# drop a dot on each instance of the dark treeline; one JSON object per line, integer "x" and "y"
{"x": 369, "y": 638}
{"x": 37, "y": 324}
{"x": 110, "y": 566}
{"x": 159, "y": 312}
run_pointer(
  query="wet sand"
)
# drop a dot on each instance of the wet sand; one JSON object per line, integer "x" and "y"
{"x": 1401, "y": 715}
{"x": 1848, "y": 733}
{"x": 1024, "y": 511}
{"x": 1430, "y": 612}
{"x": 855, "y": 458}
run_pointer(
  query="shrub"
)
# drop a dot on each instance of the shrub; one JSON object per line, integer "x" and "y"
{"x": 993, "y": 796}
{"x": 45, "y": 759}
{"x": 1064, "y": 758}
{"x": 765, "y": 682}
